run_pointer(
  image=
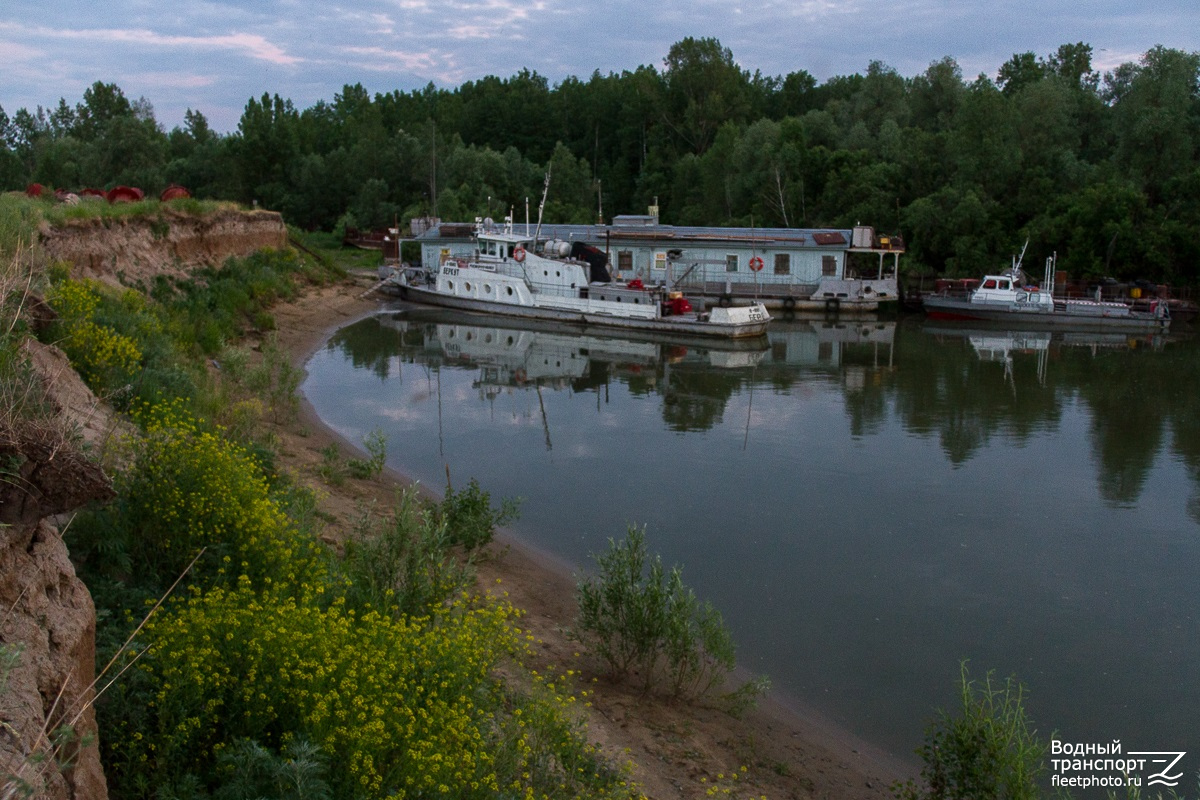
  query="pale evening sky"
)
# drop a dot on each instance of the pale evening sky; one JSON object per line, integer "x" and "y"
{"x": 213, "y": 55}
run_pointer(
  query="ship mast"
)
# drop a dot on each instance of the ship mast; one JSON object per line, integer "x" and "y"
{"x": 542, "y": 205}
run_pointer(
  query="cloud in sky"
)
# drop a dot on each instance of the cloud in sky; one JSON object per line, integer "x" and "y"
{"x": 249, "y": 45}
{"x": 214, "y": 55}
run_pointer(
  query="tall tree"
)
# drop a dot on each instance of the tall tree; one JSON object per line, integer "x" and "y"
{"x": 1020, "y": 71}
{"x": 267, "y": 144}
{"x": 102, "y": 103}
{"x": 1157, "y": 116}
{"x": 936, "y": 95}
{"x": 1073, "y": 64}
{"x": 704, "y": 88}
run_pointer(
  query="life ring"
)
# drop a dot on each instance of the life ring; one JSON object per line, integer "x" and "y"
{"x": 789, "y": 304}
{"x": 725, "y": 302}
{"x": 756, "y": 264}
{"x": 519, "y": 254}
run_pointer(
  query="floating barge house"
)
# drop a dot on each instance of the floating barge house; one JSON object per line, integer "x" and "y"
{"x": 826, "y": 270}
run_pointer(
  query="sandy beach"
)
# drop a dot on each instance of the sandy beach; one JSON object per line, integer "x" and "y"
{"x": 679, "y": 750}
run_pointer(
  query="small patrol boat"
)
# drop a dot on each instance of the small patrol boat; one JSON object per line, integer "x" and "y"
{"x": 1011, "y": 298}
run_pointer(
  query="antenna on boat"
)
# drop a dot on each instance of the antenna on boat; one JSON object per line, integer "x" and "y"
{"x": 542, "y": 205}
{"x": 1017, "y": 261}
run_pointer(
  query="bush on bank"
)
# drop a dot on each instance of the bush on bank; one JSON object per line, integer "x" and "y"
{"x": 642, "y": 620}
{"x": 989, "y": 749}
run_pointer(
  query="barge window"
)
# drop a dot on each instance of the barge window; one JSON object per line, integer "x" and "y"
{"x": 625, "y": 261}
{"x": 783, "y": 264}
{"x": 731, "y": 263}
{"x": 829, "y": 265}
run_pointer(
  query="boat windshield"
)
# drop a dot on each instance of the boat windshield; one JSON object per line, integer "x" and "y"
{"x": 498, "y": 248}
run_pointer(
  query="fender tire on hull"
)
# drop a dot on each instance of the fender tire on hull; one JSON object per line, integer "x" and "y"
{"x": 725, "y": 302}
{"x": 789, "y": 304}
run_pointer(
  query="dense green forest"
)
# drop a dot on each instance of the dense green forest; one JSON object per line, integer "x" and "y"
{"x": 1102, "y": 168}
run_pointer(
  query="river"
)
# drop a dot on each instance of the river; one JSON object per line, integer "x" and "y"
{"x": 867, "y": 503}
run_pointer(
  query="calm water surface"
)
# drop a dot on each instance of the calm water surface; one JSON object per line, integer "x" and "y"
{"x": 868, "y": 504}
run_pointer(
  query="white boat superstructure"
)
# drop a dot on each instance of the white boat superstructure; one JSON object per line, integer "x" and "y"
{"x": 518, "y": 275}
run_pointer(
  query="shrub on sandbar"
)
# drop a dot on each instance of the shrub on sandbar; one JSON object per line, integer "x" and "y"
{"x": 638, "y": 618}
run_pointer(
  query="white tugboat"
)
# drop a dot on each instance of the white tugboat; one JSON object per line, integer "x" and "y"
{"x": 519, "y": 275}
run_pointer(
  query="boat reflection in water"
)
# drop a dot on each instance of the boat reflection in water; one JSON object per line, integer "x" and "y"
{"x": 524, "y": 354}
{"x": 696, "y": 378}
{"x": 508, "y": 356}
{"x": 988, "y": 337}
{"x": 994, "y": 342}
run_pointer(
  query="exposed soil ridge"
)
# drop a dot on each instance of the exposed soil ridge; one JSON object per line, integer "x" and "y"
{"x": 129, "y": 250}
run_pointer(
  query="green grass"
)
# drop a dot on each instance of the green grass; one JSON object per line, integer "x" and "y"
{"x": 61, "y": 213}
{"x": 338, "y": 256}
{"x": 19, "y": 219}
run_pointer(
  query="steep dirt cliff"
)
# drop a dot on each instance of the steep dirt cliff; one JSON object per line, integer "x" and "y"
{"x": 135, "y": 249}
{"x": 50, "y": 621}
{"x": 48, "y": 625}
